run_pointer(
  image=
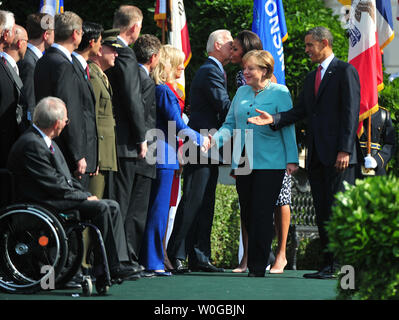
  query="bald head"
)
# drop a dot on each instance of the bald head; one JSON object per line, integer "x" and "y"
{"x": 19, "y": 45}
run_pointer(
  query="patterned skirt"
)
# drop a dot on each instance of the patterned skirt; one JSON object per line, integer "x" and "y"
{"x": 284, "y": 197}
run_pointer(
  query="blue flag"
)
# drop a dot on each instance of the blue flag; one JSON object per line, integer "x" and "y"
{"x": 52, "y": 7}
{"x": 269, "y": 24}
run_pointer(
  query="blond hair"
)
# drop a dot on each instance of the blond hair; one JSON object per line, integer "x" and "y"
{"x": 262, "y": 58}
{"x": 167, "y": 55}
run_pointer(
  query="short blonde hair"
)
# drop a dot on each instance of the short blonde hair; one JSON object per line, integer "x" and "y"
{"x": 263, "y": 59}
{"x": 167, "y": 54}
{"x": 126, "y": 16}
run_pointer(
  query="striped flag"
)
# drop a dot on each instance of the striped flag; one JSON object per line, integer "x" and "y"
{"x": 52, "y": 7}
{"x": 160, "y": 12}
{"x": 179, "y": 37}
{"x": 384, "y": 23}
{"x": 172, "y": 11}
{"x": 365, "y": 55}
{"x": 269, "y": 24}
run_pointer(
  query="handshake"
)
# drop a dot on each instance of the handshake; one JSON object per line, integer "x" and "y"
{"x": 208, "y": 143}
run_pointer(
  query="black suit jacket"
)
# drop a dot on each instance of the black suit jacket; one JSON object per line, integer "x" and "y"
{"x": 209, "y": 99}
{"x": 10, "y": 110}
{"x": 55, "y": 76}
{"x": 42, "y": 176}
{"x": 128, "y": 103}
{"x": 150, "y": 114}
{"x": 88, "y": 103}
{"x": 26, "y": 68}
{"x": 332, "y": 116}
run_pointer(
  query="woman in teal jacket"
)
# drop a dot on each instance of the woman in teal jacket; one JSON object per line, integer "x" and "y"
{"x": 260, "y": 155}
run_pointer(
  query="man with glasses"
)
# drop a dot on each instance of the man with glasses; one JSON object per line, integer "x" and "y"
{"x": 42, "y": 176}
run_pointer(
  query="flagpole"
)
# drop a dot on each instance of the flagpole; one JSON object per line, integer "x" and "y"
{"x": 163, "y": 31}
{"x": 369, "y": 136}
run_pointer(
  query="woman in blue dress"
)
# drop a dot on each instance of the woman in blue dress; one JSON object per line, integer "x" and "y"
{"x": 169, "y": 125}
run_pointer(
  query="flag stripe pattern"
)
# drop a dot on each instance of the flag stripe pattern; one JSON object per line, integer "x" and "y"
{"x": 365, "y": 55}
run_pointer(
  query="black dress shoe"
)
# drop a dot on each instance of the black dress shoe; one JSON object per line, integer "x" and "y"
{"x": 327, "y": 272}
{"x": 206, "y": 267}
{"x": 123, "y": 272}
{"x": 179, "y": 267}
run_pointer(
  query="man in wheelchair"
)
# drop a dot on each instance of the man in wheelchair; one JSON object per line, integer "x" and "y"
{"x": 42, "y": 176}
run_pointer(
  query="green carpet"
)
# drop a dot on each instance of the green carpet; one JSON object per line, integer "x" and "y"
{"x": 204, "y": 286}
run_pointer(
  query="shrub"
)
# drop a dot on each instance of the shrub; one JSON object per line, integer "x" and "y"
{"x": 225, "y": 234}
{"x": 364, "y": 233}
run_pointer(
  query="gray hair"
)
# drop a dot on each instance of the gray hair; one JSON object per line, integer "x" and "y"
{"x": 126, "y": 16}
{"x": 321, "y": 33}
{"x": 7, "y": 21}
{"x": 48, "y": 111}
{"x": 216, "y": 36}
{"x": 64, "y": 25}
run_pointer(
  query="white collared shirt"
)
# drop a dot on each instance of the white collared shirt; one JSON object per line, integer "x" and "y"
{"x": 64, "y": 50}
{"x": 10, "y": 60}
{"x": 82, "y": 60}
{"x": 325, "y": 64}
{"x": 46, "y": 138}
{"x": 35, "y": 50}
{"x": 123, "y": 41}
{"x": 218, "y": 63}
{"x": 146, "y": 70}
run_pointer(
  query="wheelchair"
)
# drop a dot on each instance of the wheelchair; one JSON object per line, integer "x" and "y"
{"x": 41, "y": 249}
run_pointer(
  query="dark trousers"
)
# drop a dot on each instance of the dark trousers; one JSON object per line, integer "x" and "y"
{"x": 194, "y": 216}
{"x": 325, "y": 182}
{"x": 258, "y": 193}
{"x": 132, "y": 192}
{"x": 105, "y": 215}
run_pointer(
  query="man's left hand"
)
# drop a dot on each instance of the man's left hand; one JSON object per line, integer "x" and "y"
{"x": 342, "y": 161}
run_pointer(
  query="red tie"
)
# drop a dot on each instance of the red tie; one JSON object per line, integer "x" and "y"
{"x": 88, "y": 72}
{"x": 317, "y": 80}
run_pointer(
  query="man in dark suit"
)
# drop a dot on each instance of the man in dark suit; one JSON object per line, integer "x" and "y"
{"x": 10, "y": 96}
{"x": 42, "y": 176}
{"x": 146, "y": 49}
{"x": 209, "y": 103}
{"x": 39, "y": 40}
{"x": 56, "y": 76}
{"x": 130, "y": 185}
{"x": 88, "y": 47}
{"x": 10, "y": 92}
{"x": 330, "y": 101}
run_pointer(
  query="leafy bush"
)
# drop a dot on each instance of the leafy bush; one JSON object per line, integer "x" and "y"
{"x": 364, "y": 233}
{"x": 225, "y": 234}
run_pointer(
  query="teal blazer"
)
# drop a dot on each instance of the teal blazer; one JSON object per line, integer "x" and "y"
{"x": 266, "y": 149}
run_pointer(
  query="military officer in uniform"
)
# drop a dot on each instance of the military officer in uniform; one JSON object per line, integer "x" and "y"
{"x": 107, "y": 159}
{"x": 383, "y": 142}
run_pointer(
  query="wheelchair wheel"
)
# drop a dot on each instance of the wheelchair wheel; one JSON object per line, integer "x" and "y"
{"x": 33, "y": 249}
{"x": 74, "y": 257}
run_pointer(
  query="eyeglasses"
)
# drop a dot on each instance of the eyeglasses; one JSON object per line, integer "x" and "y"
{"x": 67, "y": 121}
